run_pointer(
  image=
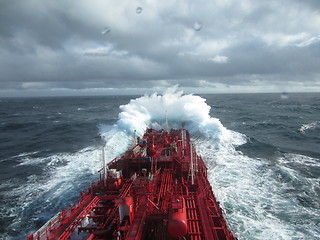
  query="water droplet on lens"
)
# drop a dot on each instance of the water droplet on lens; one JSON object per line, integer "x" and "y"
{"x": 105, "y": 31}
{"x": 139, "y": 10}
{"x": 197, "y": 26}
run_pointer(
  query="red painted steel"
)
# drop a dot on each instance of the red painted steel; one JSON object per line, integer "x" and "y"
{"x": 178, "y": 222}
{"x": 157, "y": 190}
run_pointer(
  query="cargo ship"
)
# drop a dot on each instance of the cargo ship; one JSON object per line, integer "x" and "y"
{"x": 158, "y": 189}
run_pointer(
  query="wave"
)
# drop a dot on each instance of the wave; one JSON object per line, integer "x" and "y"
{"x": 309, "y": 126}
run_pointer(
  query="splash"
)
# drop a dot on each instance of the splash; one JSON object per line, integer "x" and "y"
{"x": 173, "y": 109}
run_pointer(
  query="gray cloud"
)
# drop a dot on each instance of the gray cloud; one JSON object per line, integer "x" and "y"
{"x": 60, "y": 45}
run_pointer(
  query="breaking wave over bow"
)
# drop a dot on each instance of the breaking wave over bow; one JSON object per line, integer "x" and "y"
{"x": 173, "y": 110}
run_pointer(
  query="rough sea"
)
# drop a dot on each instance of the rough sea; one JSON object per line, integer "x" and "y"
{"x": 262, "y": 151}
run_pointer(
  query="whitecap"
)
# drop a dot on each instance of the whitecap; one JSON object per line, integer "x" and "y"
{"x": 309, "y": 126}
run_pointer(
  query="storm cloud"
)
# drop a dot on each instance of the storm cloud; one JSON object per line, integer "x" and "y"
{"x": 205, "y": 46}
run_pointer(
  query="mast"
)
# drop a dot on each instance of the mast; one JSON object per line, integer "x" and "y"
{"x": 192, "y": 164}
{"x": 135, "y": 136}
{"x": 104, "y": 166}
{"x": 167, "y": 124}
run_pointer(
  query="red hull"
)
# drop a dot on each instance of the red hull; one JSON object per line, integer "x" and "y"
{"x": 157, "y": 190}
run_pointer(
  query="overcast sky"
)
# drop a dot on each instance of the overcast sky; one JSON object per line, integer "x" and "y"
{"x": 89, "y": 47}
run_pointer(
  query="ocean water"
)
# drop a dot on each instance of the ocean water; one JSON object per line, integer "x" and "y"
{"x": 262, "y": 151}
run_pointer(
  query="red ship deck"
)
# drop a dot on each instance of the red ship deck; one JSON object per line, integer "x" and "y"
{"x": 157, "y": 190}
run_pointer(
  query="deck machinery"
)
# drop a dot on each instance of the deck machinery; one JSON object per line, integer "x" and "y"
{"x": 157, "y": 190}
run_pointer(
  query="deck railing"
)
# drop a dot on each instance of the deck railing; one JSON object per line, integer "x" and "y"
{"x": 57, "y": 223}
